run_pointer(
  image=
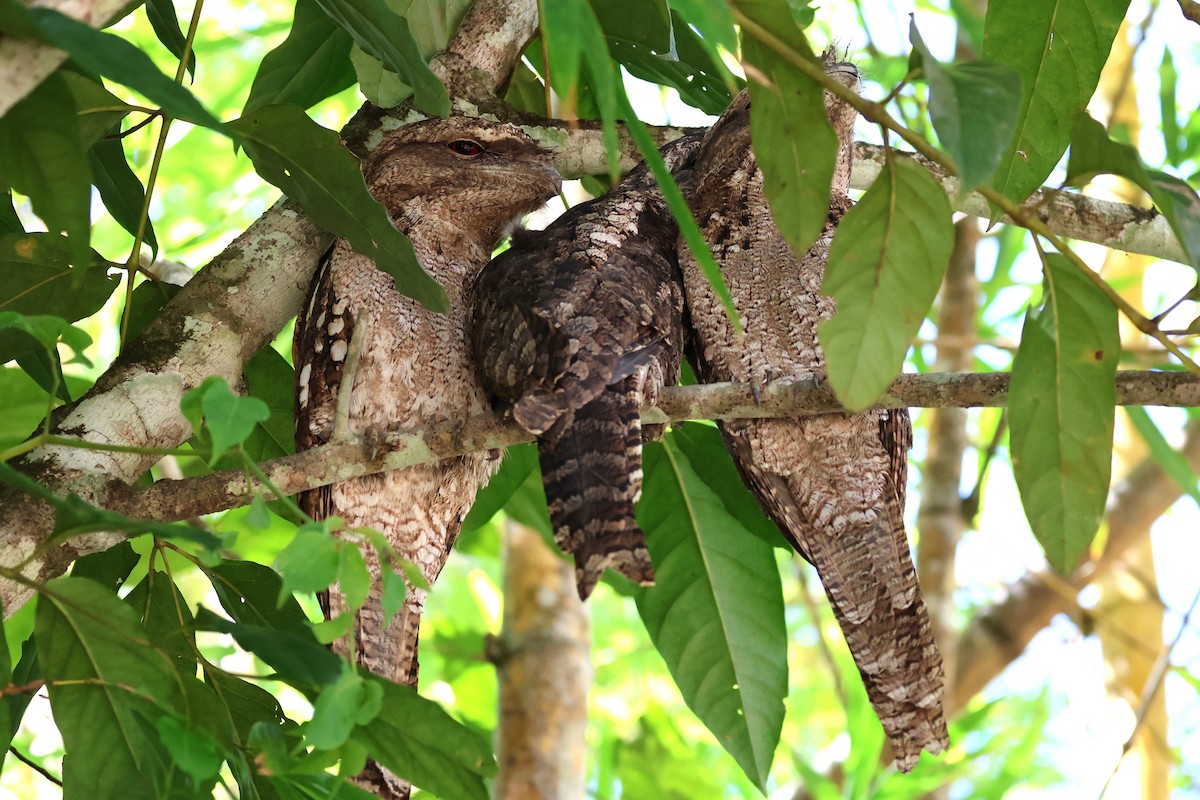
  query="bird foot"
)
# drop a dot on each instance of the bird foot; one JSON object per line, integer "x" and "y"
{"x": 372, "y": 438}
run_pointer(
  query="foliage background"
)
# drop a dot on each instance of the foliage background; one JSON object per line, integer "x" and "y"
{"x": 1039, "y": 730}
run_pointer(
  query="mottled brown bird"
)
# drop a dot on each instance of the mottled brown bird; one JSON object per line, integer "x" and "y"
{"x": 572, "y": 329}
{"x": 834, "y": 484}
{"x": 454, "y": 186}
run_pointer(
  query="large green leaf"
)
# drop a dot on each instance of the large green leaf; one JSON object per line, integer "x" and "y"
{"x": 25, "y": 406}
{"x": 9, "y": 221}
{"x": 1058, "y": 47}
{"x": 793, "y": 142}
{"x": 113, "y": 57}
{"x": 108, "y": 567}
{"x": 36, "y": 278}
{"x": 706, "y": 452}
{"x": 974, "y": 107}
{"x": 885, "y": 266}
{"x": 1092, "y": 153}
{"x": 312, "y": 63}
{"x": 715, "y": 612}
{"x": 310, "y": 165}
{"x": 42, "y": 156}
{"x": 1170, "y": 460}
{"x": 120, "y": 189}
{"x": 1061, "y": 407}
{"x": 102, "y": 674}
{"x": 420, "y": 742}
{"x": 91, "y": 96}
{"x": 386, "y": 35}
{"x": 520, "y": 461}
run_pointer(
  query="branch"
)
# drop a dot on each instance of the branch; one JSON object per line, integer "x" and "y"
{"x": 331, "y": 463}
{"x": 1116, "y": 225}
{"x": 543, "y": 663}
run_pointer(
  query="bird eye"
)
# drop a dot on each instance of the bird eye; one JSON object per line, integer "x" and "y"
{"x": 465, "y": 147}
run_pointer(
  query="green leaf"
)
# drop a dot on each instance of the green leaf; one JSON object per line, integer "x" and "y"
{"x": 793, "y": 142}
{"x": 192, "y": 751}
{"x": 710, "y": 460}
{"x": 165, "y": 23}
{"x": 43, "y": 331}
{"x": 885, "y": 266}
{"x": 310, "y": 562}
{"x": 165, "y": 616}
{"x": 417, "y": 740}
{"x": 120, "y": 189}
{"x": 1168, "y": 83}
{"x": 1170, "y": 460}
{"x": 974, "y": 107}
{"x": 230, "y": 418}
{"x": 395, "y": 591}
{"x": 42, "y": 156}
{"x": 109, "y": 567}
{"x": 1058, "y": 47}
{"x": 575, "y": 42}
{"x": 250, "y": 592}
{"x": 1093, "y": 152}
{"x": 701, "y": 80}
{"x": 340, "y": 708}
{"x": 519, "y": 462}
{"x": 90, "y": 96}
{"x": 270, "y": 378}
{"x": 149, "y": 297}
{"x": 352, "y": 576}
{"x": 114, "y": 58}
{"x": 9, "y": 221}
{"x": 12, "y": 706}
{"x": 1061, "y": 407}
{"x": 312, "y": 63}
{"x": 713, "y": 20}
{"x": 310, "y": 165}
{"x": 45, "y": 367}
{"x": 245, "y": 703}
{"x": 36, "y": 278}
{"x": 102, "y": 673}
{"x": 25, "y": 406}
{"x": 715, "y": 612}
{"x": 297, "y": 658}
{"x": 386, "y": 36}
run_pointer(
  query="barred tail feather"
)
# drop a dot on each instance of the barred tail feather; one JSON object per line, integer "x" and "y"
{"x": 592, "y": 471}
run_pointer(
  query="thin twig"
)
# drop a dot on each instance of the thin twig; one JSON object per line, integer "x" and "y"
{"x": 33, "y": 765}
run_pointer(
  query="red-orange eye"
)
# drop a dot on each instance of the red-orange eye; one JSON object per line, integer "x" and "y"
{"x": 465, "y": 147}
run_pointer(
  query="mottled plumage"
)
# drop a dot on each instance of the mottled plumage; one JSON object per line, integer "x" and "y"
{"x": 453, "y": 186}
{"x": 834, "y": 484}
{"x": 572, "y": 328}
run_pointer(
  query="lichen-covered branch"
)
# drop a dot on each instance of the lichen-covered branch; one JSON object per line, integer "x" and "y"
{"x": 1116, "y": 225}
{"x": 543, "y": 661}
{"x": 331, "y": 463}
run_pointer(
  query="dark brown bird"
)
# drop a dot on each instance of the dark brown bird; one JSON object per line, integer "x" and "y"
{"x": 573, "y": 328}
{"x": 454, "y": 186}
{"x": 834, "y": 484}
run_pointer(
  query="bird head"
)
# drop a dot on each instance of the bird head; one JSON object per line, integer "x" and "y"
{"x": 476, "y": 175}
